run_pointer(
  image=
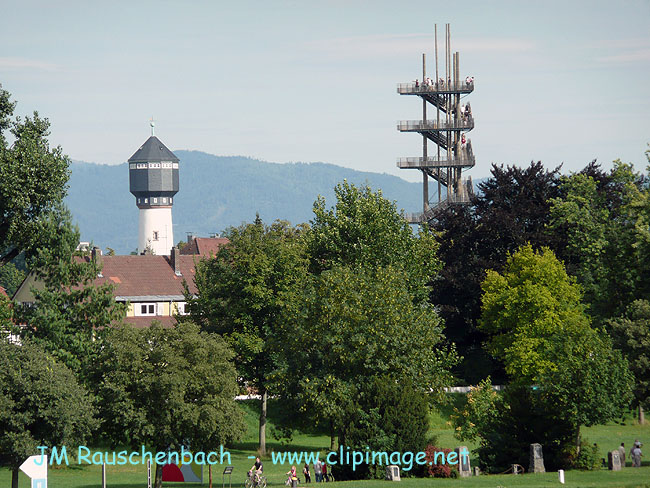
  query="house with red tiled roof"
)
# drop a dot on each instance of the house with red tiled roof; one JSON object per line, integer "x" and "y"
{"x": 203, "y": 246}
{"x": 151, "y": 286}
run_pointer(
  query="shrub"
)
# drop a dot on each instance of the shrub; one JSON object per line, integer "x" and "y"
{"x": 588, "y": 458}
{"x": 387, "y": 415}
{"x": 439, "y": 470}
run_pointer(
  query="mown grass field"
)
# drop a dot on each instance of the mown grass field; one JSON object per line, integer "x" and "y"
{"x": 608, "y": 437}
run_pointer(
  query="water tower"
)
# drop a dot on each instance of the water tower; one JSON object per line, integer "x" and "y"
{"x": 153, "y": 180}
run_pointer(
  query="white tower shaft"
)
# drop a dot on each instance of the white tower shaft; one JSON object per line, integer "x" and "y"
{"x": 155, "y": 230}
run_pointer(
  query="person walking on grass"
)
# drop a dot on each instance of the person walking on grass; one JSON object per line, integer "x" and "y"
{"x": 318, "y": 471}
{"x": 636, "y": 454}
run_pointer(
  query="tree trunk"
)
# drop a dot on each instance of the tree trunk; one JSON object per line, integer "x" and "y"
{"x": 641, "y": 416}
{"x": 333, "y": 445}
{"x": 578, "y": 442}
{"x": 14, "y": 477}
{"x": 158, "y": 482}
{"x": 209, "y": 476}
{"x": 263, "y": 423}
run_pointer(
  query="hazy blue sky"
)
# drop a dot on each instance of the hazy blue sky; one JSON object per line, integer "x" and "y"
{"x": 556, "y": 81}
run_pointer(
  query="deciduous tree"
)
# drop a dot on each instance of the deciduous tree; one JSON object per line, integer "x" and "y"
{"x": 34, "y": 179}
{"x": 167, "y": 389}
{"x": 244, "y": 292}
{"x": 365, "y": 312}
{"x": 631, "y": 334}
{"x": 41, "y": 403}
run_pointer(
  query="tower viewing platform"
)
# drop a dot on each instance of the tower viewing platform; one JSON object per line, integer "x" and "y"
{"x": 463, "y": 123}
{"x": 464, "y": 159}
{"x": 420, "y": 89}
{"x": 452, "y": 152}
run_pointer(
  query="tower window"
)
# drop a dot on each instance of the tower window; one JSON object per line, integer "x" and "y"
{"x": 155, "y": 235}
{"x": 170, "y": 199}
{"x": 155, "y": 200}
{"x": 146, "y": 200}
{"x": 164, "y": 199}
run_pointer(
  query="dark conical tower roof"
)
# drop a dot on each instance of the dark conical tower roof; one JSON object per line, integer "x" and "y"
{"x": 153, "y": 150}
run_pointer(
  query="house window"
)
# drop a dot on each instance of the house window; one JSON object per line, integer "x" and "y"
{"x": 145, "y": 309}
{"x": 181, "y": 308}
{"x": 155, "y": 235}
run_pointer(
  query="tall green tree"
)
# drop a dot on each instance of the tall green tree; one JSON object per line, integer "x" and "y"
{"x": 539, "y": 329}
{"x": 601, "y": 218}
{"x": 364, "y": 229}
{"x": 365, "y": 311}
{"x": 34, "y": 178}
{"x": 510, "y": 209}
{"x": 583, "y": 216}
{"x": 631, "y": 334}
{"x": 70, "y": 313}
{"x": 41, "y": 403}
{"x": 167, "y": 388}
{"x": 243, "y": 294}
{"x": 525, "y": 306}
{"x": 355, "y": 324}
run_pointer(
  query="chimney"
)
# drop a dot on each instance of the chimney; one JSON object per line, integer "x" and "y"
{"x": 96, "y": 255}
{"x": 176, "y": 260}
{"x": 190, "y": 236}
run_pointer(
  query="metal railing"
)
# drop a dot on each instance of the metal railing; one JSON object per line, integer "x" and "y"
{"x": 464, "y": 158}
{"x": 435, "y": 162}
{"x": 438, "y": 87}
{"x": 464, "y": 123}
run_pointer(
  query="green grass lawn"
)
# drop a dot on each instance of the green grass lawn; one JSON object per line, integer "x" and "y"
{"x": 608, "y": 437}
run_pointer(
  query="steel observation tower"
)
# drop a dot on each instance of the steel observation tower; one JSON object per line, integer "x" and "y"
{"x": 445, "y": 126}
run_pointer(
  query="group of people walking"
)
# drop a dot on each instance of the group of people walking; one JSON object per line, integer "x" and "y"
{"x": 635, "y": 454}
{"x": 321, "y": 472}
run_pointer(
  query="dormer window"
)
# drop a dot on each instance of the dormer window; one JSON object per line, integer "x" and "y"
{"x": 145, "y": 309}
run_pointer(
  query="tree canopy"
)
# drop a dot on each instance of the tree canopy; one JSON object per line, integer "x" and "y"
{"x": 41, "y": 403}
{"x": 70, "y": 313}
{"x": 528, "y": 304}
{"x": 34, "y": 179}
{"x": 365, "y": 309}
{"x": 631, "y": 334}
{"x": 167, "y": 388}
{"x": 244, "y": 292}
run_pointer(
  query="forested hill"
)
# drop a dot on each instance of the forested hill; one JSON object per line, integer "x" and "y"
{"x": 216, "y": 192}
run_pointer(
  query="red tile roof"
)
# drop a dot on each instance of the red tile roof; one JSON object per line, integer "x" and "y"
{"x": 204, "y": 246}
{"x": 142, "y": 275}
{"x": 3, "y": 292}
{"x": 144, "y": 322}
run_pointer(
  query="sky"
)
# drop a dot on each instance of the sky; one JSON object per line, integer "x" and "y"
{"x": 562, "y": 82}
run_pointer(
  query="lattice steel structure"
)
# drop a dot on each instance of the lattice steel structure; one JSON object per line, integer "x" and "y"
{"x": 453, "y": 152}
